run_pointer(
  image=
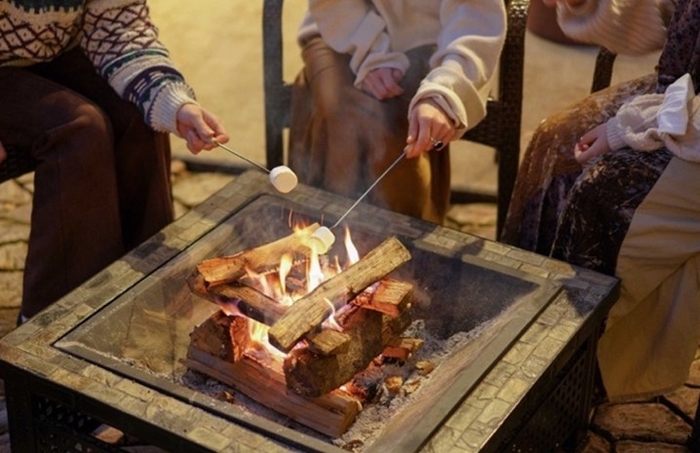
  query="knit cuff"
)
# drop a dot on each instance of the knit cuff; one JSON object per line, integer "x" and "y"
{"x": 614, "y": 135}
{"x": 163, "y": 113}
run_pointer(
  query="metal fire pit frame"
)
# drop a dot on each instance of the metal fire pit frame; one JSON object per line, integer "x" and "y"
{"x": 536, "y": 397}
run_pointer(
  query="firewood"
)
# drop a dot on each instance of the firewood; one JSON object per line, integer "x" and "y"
{"x": 331, "y": 414}
{"x": 310, "y": 311}
{"x": 328, "y": 342}
{"x": 312, "y": 375}
{"x": 386, "y": 298}
{"x": 225, "y": 337}
{"x": 247, "y": 300}
{"x": 216, "y": 271}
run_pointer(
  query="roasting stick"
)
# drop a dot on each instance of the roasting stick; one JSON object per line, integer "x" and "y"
{"x": 323, "y": 237}
{"x": 281, "y": 177}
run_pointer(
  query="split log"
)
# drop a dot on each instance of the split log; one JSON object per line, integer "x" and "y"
{"x": 329, "y": 342}
{"x": 310, "y": 311}
{"x": 312, "y": 375}
{"x": 225, "y": 337}
{"x": 387, "y": 297}
{"x": 216, "y": 271}
{"x": 370, "y": 331}
{"x": 331, "y": 414}
{"x": 247, "y": 300}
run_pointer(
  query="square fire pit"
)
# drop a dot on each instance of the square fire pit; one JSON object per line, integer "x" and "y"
{"x": 112, "y": 351}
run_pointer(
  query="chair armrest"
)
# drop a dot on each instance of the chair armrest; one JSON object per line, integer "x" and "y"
{"x": 602, "y": 75}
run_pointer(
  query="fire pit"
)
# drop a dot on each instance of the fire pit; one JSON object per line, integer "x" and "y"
{"x": 519, "y": 378}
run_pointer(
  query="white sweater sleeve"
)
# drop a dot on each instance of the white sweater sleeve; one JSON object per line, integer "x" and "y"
{"x": 353, "y": 27}
{"x": 469, "y": 46}
{"x": 650, "y": 122}
{"x": 630, "y": 27}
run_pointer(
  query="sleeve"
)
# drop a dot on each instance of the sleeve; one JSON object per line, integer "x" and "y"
{"x": 632, "y": 27}
{"x": 353, "y": 27}
{"x": 122, "y": 42}
{"x": 469, "y": 47}
{"x": 651, "y": 122}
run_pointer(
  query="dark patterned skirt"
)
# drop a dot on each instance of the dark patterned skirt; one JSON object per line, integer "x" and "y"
{"x": 581, "y": 215}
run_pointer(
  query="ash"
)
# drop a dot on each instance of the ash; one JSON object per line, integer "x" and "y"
{"x": 382, "y": 404}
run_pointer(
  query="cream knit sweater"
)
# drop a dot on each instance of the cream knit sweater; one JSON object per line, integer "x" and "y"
{"x": 469, "y": 35}
{"x": 648, "y": 122}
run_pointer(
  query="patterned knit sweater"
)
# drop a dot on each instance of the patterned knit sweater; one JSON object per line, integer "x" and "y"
{"x": 116, "y": 35}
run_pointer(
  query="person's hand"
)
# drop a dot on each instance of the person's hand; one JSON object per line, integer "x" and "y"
{"x": 199, "y": 128}
{"x": 382, "y": 83}
{"x": 3, "y": 153}
{"x": 593, "y": 143}
{"x": 429, "y": 128}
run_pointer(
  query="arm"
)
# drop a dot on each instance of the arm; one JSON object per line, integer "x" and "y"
{"x": 353, "y": 27}
{"x": 122, "y": 42}
{"x": 457, "y": 88}
{"x": 651, "y": 122}
{"x": 622, "y": 26}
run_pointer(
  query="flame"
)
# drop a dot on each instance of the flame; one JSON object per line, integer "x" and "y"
{"x": 331, "y": 322}
{"x": 353, "y": 256}
{"x": 275, "y": 286}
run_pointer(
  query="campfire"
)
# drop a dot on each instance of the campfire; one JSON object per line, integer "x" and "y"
{"x": 296, "y": 328}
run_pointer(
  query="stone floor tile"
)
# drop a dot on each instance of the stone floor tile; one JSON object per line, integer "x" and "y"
{"x": 641, "y": 421}
{"x": 628, "y": 446}
{"x": 685, "y": 400}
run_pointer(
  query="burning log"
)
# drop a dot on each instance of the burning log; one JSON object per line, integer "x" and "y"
{"x": 312, "y": 375}
{"x": 388, "y": 298}
{"x": 370, "y": 332}
{"x": 249, "y": 301}
{"x": 310, "y": 311}
{"x": 329, "y": 342}
{"x": 222, "y": 347}
{"x": 231, "y": 268}
{"x": 263, "y": 380}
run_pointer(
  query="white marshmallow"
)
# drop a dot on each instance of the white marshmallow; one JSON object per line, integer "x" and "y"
{"x": 283, "y": 178}
{"x": 321, "y": 240}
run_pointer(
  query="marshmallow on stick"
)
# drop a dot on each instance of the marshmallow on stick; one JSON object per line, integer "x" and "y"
{"x": 321, "y": 240}
{"x": 283, "y": 179}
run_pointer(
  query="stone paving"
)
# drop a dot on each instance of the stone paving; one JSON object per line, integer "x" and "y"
{"x": 657, "y": 426}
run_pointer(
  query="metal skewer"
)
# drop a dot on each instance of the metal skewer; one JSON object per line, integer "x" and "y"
{"x": 241, "y": 156}
{"x": 398, "y": 159}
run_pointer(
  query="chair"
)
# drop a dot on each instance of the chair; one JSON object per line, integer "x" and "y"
{"x": 602, "y": 74}
{"x": 500, "y": 128}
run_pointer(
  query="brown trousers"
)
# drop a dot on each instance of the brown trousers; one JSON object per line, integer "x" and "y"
{"x": 342, "y": 139}
{"x": 102, "y": 184}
